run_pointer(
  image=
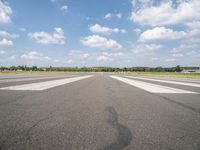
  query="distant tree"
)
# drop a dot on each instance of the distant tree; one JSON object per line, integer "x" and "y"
{"x": 34, "y": 68}
{"x": 178, "y": 69}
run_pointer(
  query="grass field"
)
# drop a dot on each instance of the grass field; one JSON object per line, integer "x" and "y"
{"x": 167, "y": 74}
{"x": 35, "y": 72}
{"x": 158, "y": 74}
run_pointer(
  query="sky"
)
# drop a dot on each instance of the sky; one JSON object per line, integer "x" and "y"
{"x": 89, "y": 33}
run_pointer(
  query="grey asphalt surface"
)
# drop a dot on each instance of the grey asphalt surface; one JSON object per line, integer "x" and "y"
{"x": 99, "y": 113}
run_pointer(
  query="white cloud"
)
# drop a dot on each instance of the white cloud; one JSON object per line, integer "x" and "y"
{"x": 69, "y": 61}
{"x": 154, "y": 59}
{"x": 4, "y": 56}
{"x": 77, "y": 54}
{"x": 119, "y": 15}
{"x": 5, "y": 42}
{"x": 188, "y": 45}
{"x": 146, "y": 48}
{"x": 33, "y": 55}
{"x": 105, "y": 30}
{"x": 166, "y": 13}
{"x": 57, "y": 37}
{"x": 123, "y": 31}
{"x": 193, "y": 33}
{"x": 2, "y": 52}
{"x": 12, "y": 57}
{"x": 137, "y": 30}
{"x": 108, "y": 16}
{"x": 104, "y": 58}
{"x": 8, "y": 35}
{"x": 113, "y": 54}
{"x": 55, "y": 60}
{"x": 86, "y": 55}
{"x": 186, "y": 50}
{"x": 5, "y": 13}
{"x": 175, "y": 50}
{"x": 177, "y": 55}
{"x": 77, "y": 57}
{"x": 22, "y": 29}
{"x": 191, "y": 53}
{"x": 54, "y": 1}
{"x": 194, "y": 24}
{"x": 161, "y": 33}
{"x": 170, "y": 60}
{"x": 191, "y": 43}
{"x": 82, "y": 58}
{"x": 64, "y": 8}
{"x": 96, "y": 41}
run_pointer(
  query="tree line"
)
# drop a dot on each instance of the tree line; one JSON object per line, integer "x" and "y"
{"x": 93, "y": 69}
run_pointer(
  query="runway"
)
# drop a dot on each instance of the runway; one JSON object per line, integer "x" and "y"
{"x": 99, "y": 112}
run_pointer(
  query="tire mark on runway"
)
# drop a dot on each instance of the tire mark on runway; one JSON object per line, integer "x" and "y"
{"x": 124, "y": 134}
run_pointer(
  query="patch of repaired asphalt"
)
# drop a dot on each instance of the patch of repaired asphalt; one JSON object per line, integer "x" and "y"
{"x": 124, "y": 134}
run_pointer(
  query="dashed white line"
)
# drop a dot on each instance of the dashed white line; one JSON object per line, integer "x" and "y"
{"x": 44, "y": 85}
{"x": 166, "y": 81}
{"x": 152, "y": 88}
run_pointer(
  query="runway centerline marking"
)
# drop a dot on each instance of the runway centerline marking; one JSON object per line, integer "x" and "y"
{"x": 152, "y": 88}
{"x": 45, "y": 85}
{"x": 166, "y": 81}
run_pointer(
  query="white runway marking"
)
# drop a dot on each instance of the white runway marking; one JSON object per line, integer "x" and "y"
{"x": 34, "y": 78}
{"x": 152, "y": 88}
{"x": 166, "y": 81}
{"x": 45, "y": 85}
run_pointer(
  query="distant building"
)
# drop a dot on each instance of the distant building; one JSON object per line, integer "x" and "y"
{"x": 43, "y": 68}
{"x": 19, "y": 70}
{"x": 191, "y": 69}
{"x": 99, "y": 67}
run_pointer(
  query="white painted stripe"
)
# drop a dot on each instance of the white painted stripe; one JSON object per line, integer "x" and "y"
{"x": 33, "y": 78}
{"x": 152, "y": 88}
{"x": 166, "y": 81}
{"x": 45, "y": 85}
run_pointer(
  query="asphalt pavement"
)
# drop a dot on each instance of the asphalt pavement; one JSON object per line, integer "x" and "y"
{"x": 99, "y": 112}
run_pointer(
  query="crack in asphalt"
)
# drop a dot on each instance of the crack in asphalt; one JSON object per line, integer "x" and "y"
{"x": 124, "y": 134}
{"x": 37, "y": 123}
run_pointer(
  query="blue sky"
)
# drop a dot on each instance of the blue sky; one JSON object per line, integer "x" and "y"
{"x": 100, "y": 33}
